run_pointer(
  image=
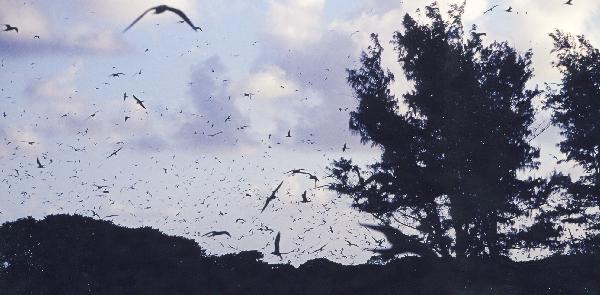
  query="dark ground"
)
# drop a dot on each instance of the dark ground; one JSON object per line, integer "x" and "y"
{"x": 65, "y": 254}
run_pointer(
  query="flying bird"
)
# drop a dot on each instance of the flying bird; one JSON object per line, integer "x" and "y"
{"x": 509, "y": 9}
{"x": 39, "y": 163}
{"x": 160, "y": 9}
{"x": 344, "y": 148}
{"x": 401, "y": 243}
{"x": 490, "y": 9}
{"x": 116, "y": 74}
{"x": 216, "y": 233}
{"x": 114, "y": 153}
{"x": 277, "y": 240}
{"x": 10, "y": 28}
{"x": 289, "y": 133}
{"x": 271, "y": 197}
{"x": 140, "y": 102}
{"x": 570, "y": 2}
{"x": 304, "y": 199}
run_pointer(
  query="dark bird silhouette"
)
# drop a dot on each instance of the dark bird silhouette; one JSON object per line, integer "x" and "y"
{"x": 116, "y": 74}
{"x": 140, "y": 102}
{"x": 114, "y": 153}
{"x": 10, "y": 28}
{"x": 401, "y": 243}
{"x": 160, "y": 9}
{"x": 304, "y": 199}
{"x": 246, "y": 94}
{"x": 344, "y": 148}
{"x": 289, "y": 133}
{"x": 277, "y": 240}
{"x": 124, "y": 96}
{"x": 127, "y": 118}
{"x": 216, "y": 233}
{"x": 39, "y": 163}
{"x": 478, "y": 35}
{"x": 271, "y": 197}
{"x": 295, "y": 171}
{"x": 36, "y": 37}
{"x": 570, "y": 2}
{"x": 509, "y": 9}
{"x": 490, "y": 9}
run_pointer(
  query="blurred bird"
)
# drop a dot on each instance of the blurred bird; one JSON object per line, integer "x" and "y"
{"x": 271, "y": 197}
{"x": 216, "y": 233}
{"x": 160, "y": 9}
{"x": 39, "y": 163}
{"x": 10, "y": 28}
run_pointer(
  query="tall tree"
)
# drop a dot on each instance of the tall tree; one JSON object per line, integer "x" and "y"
{"x": 576, "y": 110}
{"x": 448, "y": 172}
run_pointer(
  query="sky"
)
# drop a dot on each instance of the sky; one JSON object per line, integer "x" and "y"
{"x": 203, "y": 155}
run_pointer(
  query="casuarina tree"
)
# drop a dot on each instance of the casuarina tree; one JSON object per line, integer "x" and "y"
{"x": 455, "y": 146}
{"x": 575, "y": 103}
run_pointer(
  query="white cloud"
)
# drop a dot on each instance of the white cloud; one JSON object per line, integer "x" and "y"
{"x": 297, "y": 23}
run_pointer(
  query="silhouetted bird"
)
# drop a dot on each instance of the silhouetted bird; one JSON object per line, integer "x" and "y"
{"x": 124, "y": 96}
{"x": 160, "y": 9}
{"x": 490, "y": 9}
{"x": 304, "y": 199}
{"x": 401, "y": 243}
{"x": 216, "y": 233}
{"x": 116, "y": 74}
{"x": 127, "y": 118}
{"x": 271, "y": 197}
{"x": 140, "y": 102}
{"x": 114, "y": 153}
{"x": 10, "y": 28}
{"x": 570, "y": 2}
{"x": 509, "y": 9}
{"x": 344, "y": 148}
{"x": 295, "y": 171}
{"x": 289, "y": 133}
{"x": 277, "y": 240}
{"x": 36, "y": 37}
{"x": 39, "y": 163}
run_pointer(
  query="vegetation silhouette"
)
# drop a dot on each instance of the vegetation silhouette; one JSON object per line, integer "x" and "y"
{"x": 453, "y": 146}
{"x": 64, "y": 254}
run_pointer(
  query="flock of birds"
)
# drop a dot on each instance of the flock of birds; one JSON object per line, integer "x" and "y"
{"x": 105, "y": 188}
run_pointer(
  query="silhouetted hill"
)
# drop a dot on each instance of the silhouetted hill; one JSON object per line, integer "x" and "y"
{"x": 65, "y": 254}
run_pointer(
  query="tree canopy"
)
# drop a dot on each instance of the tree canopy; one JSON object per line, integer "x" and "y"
{"x": 449, "y": 173}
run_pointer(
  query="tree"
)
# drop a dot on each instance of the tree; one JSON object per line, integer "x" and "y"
{"x": 576, "y": 109}
{"x": 448, "y": 172}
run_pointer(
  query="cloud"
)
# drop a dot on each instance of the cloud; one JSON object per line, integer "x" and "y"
{"x": 80, "y": 37}
{"x": 297, "y": 23}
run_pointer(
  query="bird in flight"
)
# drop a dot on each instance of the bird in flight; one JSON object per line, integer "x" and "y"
{"x": 160, "y": 9}
{"x": 116, "y": 74}
{"x": 490, "y": 9}
{"x": 401, "y": 243}
{"x": 277, "y": 240}
{"x": 344, "y": 148}
{"x": 271, "y": 197}
{"x": 114, "y": 153}
{"x": 216, "y": 233}
{"x": 138, "y": 101}
{"x": 289, "y": 133}
{"x": 570, "y": 2}
{"x": 509, "y": 9}
{"x": 304, "y": 199}
{"x": 39, "y": 163}
{"x": 10, "y": 28}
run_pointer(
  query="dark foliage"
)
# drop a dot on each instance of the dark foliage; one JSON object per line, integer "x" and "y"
{"x": 450, "y": 161}
{"x": 78, "y": 255}
{"x": 576, "y": 110}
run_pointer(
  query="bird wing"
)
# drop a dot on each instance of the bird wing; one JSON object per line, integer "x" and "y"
{"x": 276, "y": 189}
{"x": 38, "y": 161}
{"x": 183, "y": 16}
{"x": 393, "y": 235}
{"x": 277, "y": 239}
{"x": 138, "y": 18}
{"x": 266, "y": 204}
